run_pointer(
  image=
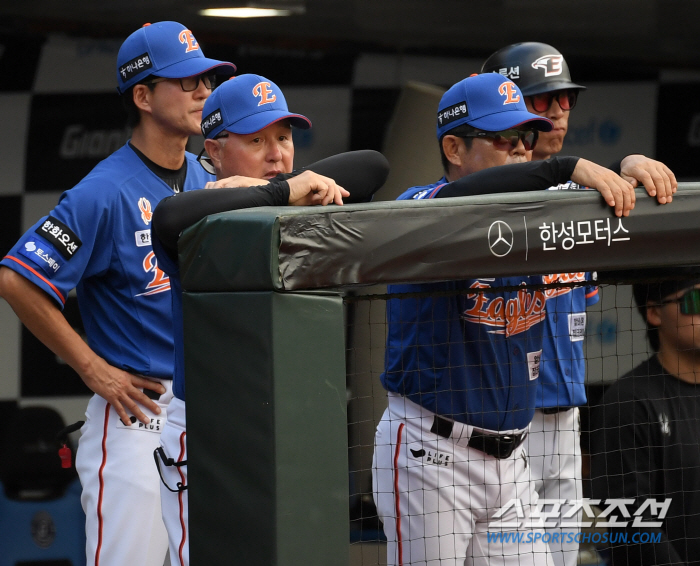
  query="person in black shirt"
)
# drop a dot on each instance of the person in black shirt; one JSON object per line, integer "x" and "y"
{"x": 645, "y": 442}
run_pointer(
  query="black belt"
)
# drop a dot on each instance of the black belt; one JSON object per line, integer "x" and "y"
{"x": 497, "y": 445}
{"x": 555, "y": 410}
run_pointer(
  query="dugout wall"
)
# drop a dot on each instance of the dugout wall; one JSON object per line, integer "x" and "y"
{"x": 265, "y": 361}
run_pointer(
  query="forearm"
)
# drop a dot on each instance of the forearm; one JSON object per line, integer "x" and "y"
{"x": 174, "y": 214}
{"x": 518, "y": 177}
{"x": 362, "y": 173}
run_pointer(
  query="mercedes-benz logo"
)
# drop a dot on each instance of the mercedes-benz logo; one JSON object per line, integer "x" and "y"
{"x": 500, "y": 238}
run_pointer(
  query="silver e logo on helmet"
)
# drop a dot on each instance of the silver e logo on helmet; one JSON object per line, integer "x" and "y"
{"x": 551, "y": 64}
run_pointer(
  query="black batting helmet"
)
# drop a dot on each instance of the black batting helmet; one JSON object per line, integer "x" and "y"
{"x": 534, "y": 67}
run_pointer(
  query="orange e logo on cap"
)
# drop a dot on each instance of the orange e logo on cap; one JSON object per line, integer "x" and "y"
{"x": 186, "y": 37}
{"x": 508, "y": 90}
{"x": 264, "y": 91}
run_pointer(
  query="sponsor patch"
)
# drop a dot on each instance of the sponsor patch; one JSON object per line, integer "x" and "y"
{"x": 452, "y": 113}
{"x": 143, "y": 238}
{"x": 533, "y": 364}
{"x": 211, "y": 122}
{"x": 577, "y": 326}
{"x": 135, "y": 66}
{"x": 429, "y": 457}
{"x": 58, "y": 234}
{"x": 156, "y": 424}
{"x": 512, "y": 72}
{"x": 42, "y": 255}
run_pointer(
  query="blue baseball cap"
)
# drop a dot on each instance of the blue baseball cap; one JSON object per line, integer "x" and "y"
{"x": 489, "y": 102}
{"x": 246, "y": 104}
{"x": 163, "y": 49}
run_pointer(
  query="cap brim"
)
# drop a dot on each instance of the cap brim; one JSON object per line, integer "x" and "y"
{"x": 511, "y": 119}
{"x": 196, "y": 66}
{"x": 261, "y": 120}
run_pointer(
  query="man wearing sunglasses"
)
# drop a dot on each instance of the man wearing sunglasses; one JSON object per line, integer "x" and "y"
{"x": 461, "y": 367}
{"x": 98, "y": 240}
{"x": 541, "y": 72}
{"x": 543, "y": 76}
{"x": 644, "y": 444}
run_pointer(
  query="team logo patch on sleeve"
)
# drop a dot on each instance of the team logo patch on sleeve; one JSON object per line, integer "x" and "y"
{"x": 42, "y": 255}
{"x": 58, "y": 234}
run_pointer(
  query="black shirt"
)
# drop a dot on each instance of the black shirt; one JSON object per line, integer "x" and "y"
{"x": 645, "y": 443}
{"x": 174, "y": 178}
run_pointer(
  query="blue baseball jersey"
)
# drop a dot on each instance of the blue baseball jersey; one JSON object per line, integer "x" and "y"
{"x": 172, "y": 268}
{"x": 563, "y": 370}
{"x": 562, "y": 379}
{"x": 98, "y": 240}
{"x": 473, "y": 357}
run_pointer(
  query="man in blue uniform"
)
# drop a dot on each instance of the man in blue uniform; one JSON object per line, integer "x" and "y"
{"x": 462, "y": 370}
{"x": 248, "y": 136}
{"x": 553, "y": 445}
{"x": 97, "y": 240}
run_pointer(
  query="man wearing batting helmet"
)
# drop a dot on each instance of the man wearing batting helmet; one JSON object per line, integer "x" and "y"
{"x": 553, "y": 445}
{"x": 98, "y": 240}
{"x": 462, "y": 362}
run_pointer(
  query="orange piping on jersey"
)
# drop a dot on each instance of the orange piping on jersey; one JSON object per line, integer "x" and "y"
{"x": 60, "y": 296}
{"x": 592, "y": 293}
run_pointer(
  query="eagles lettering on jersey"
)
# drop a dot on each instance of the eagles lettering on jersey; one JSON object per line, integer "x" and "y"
{"x": 472, "y": 356}
{"x": 508, "y": 316}
{"x": 566, "y": 278}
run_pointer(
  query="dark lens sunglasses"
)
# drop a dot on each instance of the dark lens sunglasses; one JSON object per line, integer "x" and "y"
{"x": 566, "y": 99}
{"x": 189, "y": 84}
{"x": 505, "y": 137}
{"x": 689, "y": 302}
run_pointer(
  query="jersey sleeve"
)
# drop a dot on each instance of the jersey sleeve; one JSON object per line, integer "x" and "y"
{"x": 70, "y": 243}
{"x": 592, "y": 293}
{"x": 362, "y": 173}
{"x": 175, "y": 213}
{"x": 517, "y": 177}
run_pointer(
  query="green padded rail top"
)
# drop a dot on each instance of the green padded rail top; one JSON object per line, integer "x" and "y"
{"x": 295, "y": 248}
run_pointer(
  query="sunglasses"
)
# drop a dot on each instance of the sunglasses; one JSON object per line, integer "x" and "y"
{"x": 189, "y": 84}
{"x": 566, "y": 99}
{"x": 506, "y": 138}
{"x": 688, "y": 301}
